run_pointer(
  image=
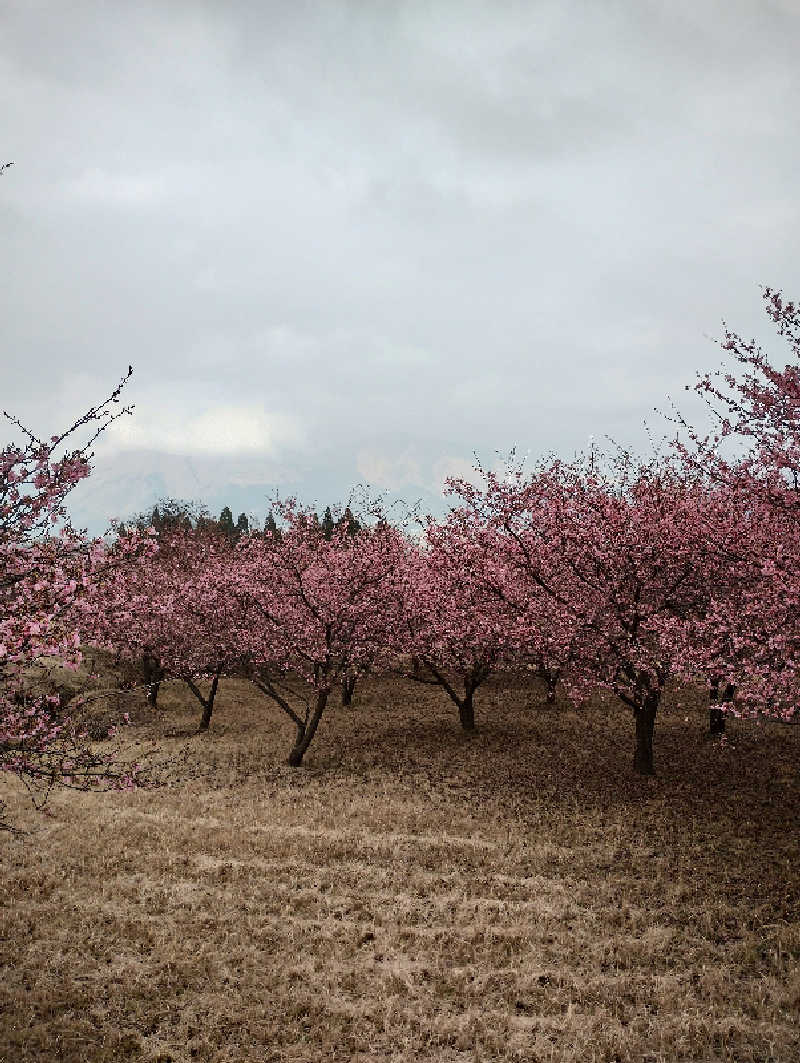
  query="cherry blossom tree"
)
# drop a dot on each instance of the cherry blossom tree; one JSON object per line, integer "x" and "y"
{"x": 173, "y": 607}
{"x": 44, "y": 572}
{"x": 538, "y": 628}
{"x": 751, "y": 639}
{"x": 747, "y": 644}
{"x": 314, "y": 609}
{"x": 456, "y": 630}
{"x": 616, "y": 563}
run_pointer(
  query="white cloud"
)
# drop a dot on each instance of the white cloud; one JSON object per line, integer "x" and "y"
{"x": 767, "y": 216}
{"x": 228, "y": 429}
{"x": 383, "y": 471}
{"x": 99, "y": 187}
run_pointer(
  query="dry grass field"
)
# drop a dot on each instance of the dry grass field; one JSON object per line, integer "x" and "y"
{"x": 412, "y": 893}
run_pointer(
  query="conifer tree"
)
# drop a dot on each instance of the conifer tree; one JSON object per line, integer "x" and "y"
{"x": 226, "y": 522}
{"x": 352, "y": 525}
{"x": 327, "y": 523}
{"x": 242, "y": 525}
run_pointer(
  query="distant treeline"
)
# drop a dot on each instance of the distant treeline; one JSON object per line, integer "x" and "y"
{"x": 173, "y": 513}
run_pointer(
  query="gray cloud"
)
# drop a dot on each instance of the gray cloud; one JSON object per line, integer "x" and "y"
{"x": 351, "y": 241}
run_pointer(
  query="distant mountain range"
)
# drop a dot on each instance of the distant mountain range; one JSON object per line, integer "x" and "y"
{"x": 127, "y": 483}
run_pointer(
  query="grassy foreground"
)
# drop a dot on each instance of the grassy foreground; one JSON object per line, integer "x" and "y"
{"x": 412, "y": 892}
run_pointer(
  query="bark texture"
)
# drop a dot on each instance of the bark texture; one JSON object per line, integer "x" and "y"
{"x": 716, "y": 715}
{"x": 153, "y": 676}
{"x": 207, "y": 703}
{"x": 466, "y": 711}
{"x": 306, "y": 731}
{"x": 645, "y": 717}
{"x": 348, "y": 689}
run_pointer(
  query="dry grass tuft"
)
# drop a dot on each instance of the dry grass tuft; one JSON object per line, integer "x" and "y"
{"x": 412, "y": 892}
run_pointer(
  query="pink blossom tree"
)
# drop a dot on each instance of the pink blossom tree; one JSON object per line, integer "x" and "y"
{"x": 314, "y": 609}
{"x": 750, "y": 642}
{"x": 43, "y": 574}
{"x": 620, "y": 559}
{"x": 172, "y": 607}
{"x": 457, "y": 631}
{"x": 747, "y": 644}
{"x": 539, "y": 630}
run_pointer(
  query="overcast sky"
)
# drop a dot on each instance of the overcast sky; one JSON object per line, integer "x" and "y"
{"x": 357, "y": 242}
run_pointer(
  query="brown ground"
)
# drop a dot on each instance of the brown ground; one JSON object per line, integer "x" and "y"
{"x": 412, "y": 892}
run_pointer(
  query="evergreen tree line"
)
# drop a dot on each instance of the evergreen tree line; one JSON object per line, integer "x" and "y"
{"x": 173, "y": 514}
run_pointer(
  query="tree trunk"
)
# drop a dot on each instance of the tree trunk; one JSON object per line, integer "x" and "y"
{"x": 645, "y": 717}
{"x": 552, "y": 683}
{"x": 716, "y": 722}
{"x": 208, "y": 707}
{"x": 306, "y": 732}
{"x": 550, "y": 676}
{"x": 716, "y": 715}
{"x": 348, "y": 688}
{"x": 153, "y": 675}
{"x": 207, "y": 703}
{"x": 466, "y": 711}
{"x": 472, "y": 680}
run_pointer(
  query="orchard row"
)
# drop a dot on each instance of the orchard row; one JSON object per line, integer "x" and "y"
{"x": 597, "y": 582}
{"x": 599, "y": 574}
